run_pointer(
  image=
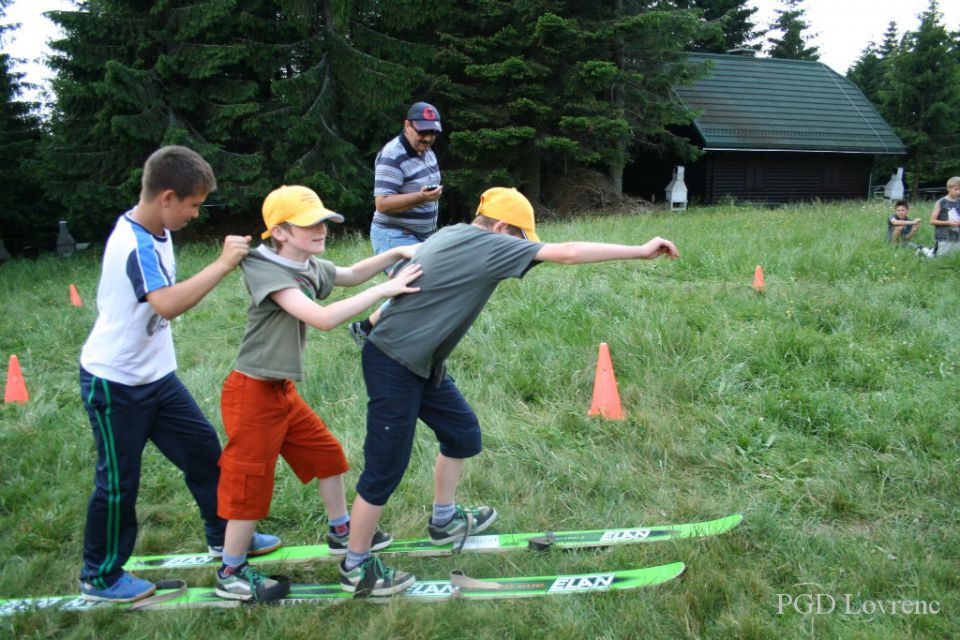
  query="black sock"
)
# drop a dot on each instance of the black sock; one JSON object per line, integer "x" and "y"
{"x": 366, "y": 325}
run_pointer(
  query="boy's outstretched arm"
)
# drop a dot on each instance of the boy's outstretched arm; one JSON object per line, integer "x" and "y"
{"x": 586, "y": 252}
{"x": 360, "y": 272}
{"x": 325, "y": 318}
{"x": 171, "y": 301}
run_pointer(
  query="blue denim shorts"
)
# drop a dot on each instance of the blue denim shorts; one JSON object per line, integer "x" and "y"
{"x": 396, "y": 398}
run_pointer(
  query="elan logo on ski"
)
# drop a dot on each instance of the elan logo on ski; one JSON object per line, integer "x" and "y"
{"x": 62, "y": 603}
{"x": 186, "y": 562}
{"x": 625, "y": 536}
{"x": 584, "y": 583}
{"x": 430, "y": 590}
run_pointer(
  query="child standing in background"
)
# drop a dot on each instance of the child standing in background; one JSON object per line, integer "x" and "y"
{"x": 946, "y": 219}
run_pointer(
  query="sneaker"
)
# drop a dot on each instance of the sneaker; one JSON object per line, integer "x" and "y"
{"x": 261, "y": 544}
{"x": 456, "y": 529}
{"x": 357, "y": 333}
{"x": 247, "y": 584}
{"x": 338, "y": 544}
{"x": 128, "y": 588}
{"x": 373, "y": 578}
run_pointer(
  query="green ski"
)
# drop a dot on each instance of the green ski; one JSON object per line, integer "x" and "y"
{"x": 477, "y": 544}
{"x": 457, "y": 587}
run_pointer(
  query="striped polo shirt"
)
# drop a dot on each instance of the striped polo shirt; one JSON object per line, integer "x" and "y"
{"x": 400, "y": 169}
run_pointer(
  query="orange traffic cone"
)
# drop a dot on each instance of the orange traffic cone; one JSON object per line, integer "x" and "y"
{"x": 75, "y": 296}
{"x": 606, "y": 397}
{"x": 16, "y": 390}
{"x": 758, "y": 279}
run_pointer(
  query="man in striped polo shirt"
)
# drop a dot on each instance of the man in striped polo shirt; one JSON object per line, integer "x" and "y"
{"x": 406, "y": 190}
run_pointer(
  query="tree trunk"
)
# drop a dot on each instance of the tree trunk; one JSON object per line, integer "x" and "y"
{"x": 616, "y": 168}
{"x": 915, "y": 179}
{"x": 533, "y": 176}
{"x": 616, "y": 178}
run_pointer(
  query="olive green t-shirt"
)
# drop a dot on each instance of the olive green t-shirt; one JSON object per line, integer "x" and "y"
{"x": 274, "y": 340}
{"x": 462, "y": 266}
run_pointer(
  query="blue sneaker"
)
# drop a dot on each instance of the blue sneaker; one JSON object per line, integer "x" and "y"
{"x": 261, "y": 544}
{"x": 128, "y": 588}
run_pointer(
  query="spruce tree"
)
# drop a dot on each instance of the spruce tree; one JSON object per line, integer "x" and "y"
{"x": 869, "y": 74}
{"x": 791, "y": 43}
{"x": 922, "y": 102}
{"x": 727, "y": 24}
{"x": 350, "y": 74}
{"x": 134, "y": 75}
{"x": 22, "y": 220}
{"x": 509, "y": 67}
{"x": 544, "y": 92}
{"x": 891, "y": 41}
{"x": 653, "y": 62}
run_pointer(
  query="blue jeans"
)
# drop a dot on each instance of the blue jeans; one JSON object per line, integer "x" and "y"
{"x": 386, "y": 238}
{"x": 397, "y": 397}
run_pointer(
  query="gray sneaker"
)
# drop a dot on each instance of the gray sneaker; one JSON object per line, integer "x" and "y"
{"x": 462, "y": 526}
{"x": 357, "y": 333}
{"x": 338, "y": 544}
{"x": 247, "y": 584}
{"x": 373, "y": 578}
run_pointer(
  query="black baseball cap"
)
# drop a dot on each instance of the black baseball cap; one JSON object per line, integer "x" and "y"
{"x": 424, "y": 117}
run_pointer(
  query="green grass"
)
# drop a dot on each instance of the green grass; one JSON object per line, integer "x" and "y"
{"x": 824, "y": 410}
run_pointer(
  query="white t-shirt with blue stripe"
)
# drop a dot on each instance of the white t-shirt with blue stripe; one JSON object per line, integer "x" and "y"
{"x": 131, "y": 343}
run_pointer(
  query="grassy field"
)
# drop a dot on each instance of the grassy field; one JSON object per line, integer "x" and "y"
{"x": 824, "y": 410}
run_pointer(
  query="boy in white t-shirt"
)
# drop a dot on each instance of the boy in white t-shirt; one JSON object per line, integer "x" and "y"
{"x": 128, "y": 380}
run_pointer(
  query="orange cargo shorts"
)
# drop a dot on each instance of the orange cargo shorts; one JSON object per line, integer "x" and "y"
{"x": 264, "y": 420}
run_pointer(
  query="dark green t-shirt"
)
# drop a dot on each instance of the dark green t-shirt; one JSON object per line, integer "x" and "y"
{"x": 273, "y": 343}
{"x": 462, "y": 266}
{"x": 949, "y": 210}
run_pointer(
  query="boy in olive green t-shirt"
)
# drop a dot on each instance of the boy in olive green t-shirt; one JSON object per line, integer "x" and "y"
{"x": 263, "y": 415}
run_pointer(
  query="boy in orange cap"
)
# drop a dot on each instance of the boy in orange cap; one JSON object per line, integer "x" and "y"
{"x": 404, "y": 367}
{"x": 263, "y": 415}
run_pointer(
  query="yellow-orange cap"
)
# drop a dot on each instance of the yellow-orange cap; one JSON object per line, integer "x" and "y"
{"x": 510, "y": 206}
{"x": 300, "y": 206}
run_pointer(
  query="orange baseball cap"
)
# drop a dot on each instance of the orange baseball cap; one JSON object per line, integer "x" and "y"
{"x": 509, "y": 205}
{"x": 297, "y": 205}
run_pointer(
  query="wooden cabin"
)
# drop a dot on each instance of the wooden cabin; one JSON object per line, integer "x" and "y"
{"x": 776, "y": 131}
